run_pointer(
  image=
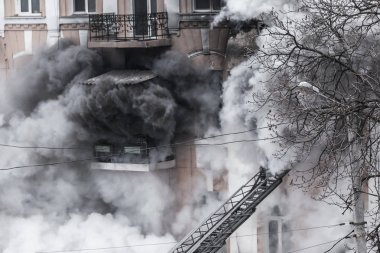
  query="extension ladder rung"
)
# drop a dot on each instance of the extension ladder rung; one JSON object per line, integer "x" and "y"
{"x": 211, "y": 234}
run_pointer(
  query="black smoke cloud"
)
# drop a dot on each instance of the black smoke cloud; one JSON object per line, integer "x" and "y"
{"x": 196, "y": 90}
{"x": 47, "y": 105}
{"x": 183, "y": 100}
{"x": 48, "y": 75}
{"x": 68, "y": 206}
{"x": 121, "y": 111}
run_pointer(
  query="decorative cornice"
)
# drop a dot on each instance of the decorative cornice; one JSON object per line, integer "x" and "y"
{"x": 194, "y": 24}
{"x": 23, "y": 27}
{"x": 74, "y": 26}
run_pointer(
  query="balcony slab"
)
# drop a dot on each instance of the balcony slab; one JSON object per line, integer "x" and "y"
{"x": 130, "y": 43}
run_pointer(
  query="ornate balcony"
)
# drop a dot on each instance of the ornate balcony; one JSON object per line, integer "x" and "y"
{"x": 129, "y": 31}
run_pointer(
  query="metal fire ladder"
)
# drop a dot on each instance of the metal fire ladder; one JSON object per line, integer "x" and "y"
{"x": 212, "y": 233}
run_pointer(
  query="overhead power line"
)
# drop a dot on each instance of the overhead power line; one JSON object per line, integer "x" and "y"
{"x": 300, "y": 229}
{"x": 321, "y": 244}
{"x": 187, "y": 141}
{"x": 119, "y": 154}
{"x": 341, "y": 239}
{"x": 232, "y": 142}
{"x": 109, "y": 248}
{"x": 41, "y": 147}
{"x": 313, "y": 246}
{"x": 168, "y": 243}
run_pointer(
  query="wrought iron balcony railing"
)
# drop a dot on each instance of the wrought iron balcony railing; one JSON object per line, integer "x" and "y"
{"x": 112, "y": 27}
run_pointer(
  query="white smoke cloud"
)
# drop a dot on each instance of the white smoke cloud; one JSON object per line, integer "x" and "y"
{"x": 249, "y": 9}
{"x": 242, "y": 160}
{"x": 298, "y": 210}
{"x": 69, "y": 206}
{"x": 38, "y": 234}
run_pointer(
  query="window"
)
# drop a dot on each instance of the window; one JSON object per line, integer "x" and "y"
{"x": 103, "y": 148}
{"x": 84, "y": 6}
{"x": 278, "y": 238}
{"x": 273, "y": 236}
{"x": 103, "y": 152}
{"x": 28, "y": 7}
{"x": 132, "y": 150}
{"x": 217, "y": 4}
{"x": 208, "y": 5}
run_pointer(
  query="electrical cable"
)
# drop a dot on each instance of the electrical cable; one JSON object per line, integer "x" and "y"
{"x": 83, "y": 148}
{"x": 320, "y": 244}
{"x": 313, "y": 246}
{"x": 233, "y": 142}
{"x": 42, "y": 147}
{"x": 300, "y": 229}
{"x": 108, "y": 248}
{"x": 119, "y": 154}
{"x": 341, "y": 239}
{"x": 168, "y": 243}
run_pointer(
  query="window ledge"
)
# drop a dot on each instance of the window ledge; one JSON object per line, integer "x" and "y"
{"x": 206, "y": 11}
{"x": 26, "y": 17}
{"x": 76, "y": 15}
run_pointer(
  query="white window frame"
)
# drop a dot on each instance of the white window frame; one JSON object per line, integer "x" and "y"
{"x": 85, "y": 6}
{"x": 208, "y": 10}
{"x": 29, "y": 12}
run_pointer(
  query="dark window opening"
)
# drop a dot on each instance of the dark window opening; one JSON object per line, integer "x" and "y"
{"x": 141, "y": 7}
{"x": 202, "y": 4}
{"x": 217, "y": 5}
{"x": 32, "y": 6}
{"x": 24, "y": 5}
{"x": 208, "y": 5}
{"x": 91, "y": 5}
{"x": 286, "y": 240}
{"x": 273, "y": 236}
{"x": 80, "y": 5}
{"x": 141, "y": 12}
{"x": 84, "y": 5}
{"x": 153, "y": 6}
{"x": 35, "y": 6}
{"x": 276, "y": 211}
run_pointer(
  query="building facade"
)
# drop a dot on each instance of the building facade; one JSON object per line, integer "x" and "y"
{"x": 132, "y": 28}
{"x": 27, "y": 25}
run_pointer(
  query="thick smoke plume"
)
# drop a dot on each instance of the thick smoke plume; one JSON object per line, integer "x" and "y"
{"x": 121, "y": 111}
{"x": 48, "y": 76}
{"x": 196, "y": 91}
{"x": 183, "y": 101}
{"x": 247, "y": 9}
{"x": 240, "y": 114}
{"x": 69, "y": 206}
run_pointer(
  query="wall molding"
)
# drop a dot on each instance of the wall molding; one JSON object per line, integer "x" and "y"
{"x": 74, "y": 26}
{"x": 23, "y": 27}
{"x": 194, "y": 24}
